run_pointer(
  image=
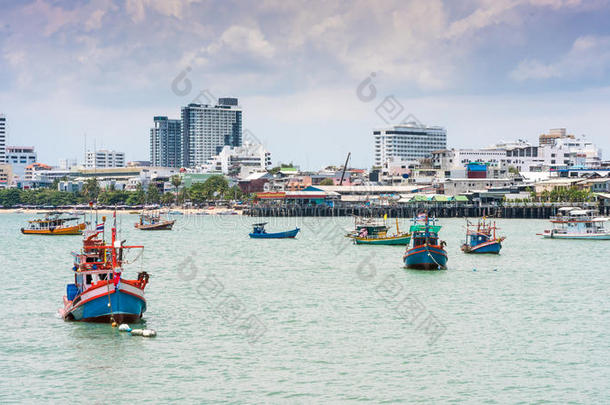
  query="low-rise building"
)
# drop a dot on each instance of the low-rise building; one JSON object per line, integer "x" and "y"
{"x": 19, "y": 157}
{"x": 6, "y": 175}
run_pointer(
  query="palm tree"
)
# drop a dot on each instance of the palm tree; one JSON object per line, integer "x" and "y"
{"x": 176, "y": 182}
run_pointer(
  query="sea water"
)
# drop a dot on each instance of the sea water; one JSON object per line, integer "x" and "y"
{"x": 315, "y": 319}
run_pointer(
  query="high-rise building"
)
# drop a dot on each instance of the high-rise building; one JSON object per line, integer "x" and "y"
{"x": 19, "y": 157}
{"x": 102, "y": 158}
{"x": 166, "y": 142}
{"x": 2, "y": 138}
{"x": 410, "y": 141}
{"x": 207, "y": 129}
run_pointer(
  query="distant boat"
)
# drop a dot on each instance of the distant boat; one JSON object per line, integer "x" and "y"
{"x": 375, "y": 232}
{"x": 427, "y": 252}
{"x": 577, "y": 223}
{"x": 55, "y": 223}
{"x": 153, "y": 222}
{"x": 259, "y": 232}
{"x": 481, "y": 238}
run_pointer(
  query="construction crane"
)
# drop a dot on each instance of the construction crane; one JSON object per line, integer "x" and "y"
{"x": 345, "y": 168}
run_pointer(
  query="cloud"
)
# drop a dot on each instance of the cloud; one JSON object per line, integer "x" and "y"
{"x": 589, "y": 57}
{"x": 169, "y": 8}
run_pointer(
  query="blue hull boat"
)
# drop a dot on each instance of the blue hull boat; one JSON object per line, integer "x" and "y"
{"x": 126, "y": 303}
{"x": 481, "y": 238}
{"x": 426, "y": 258}
{"x": 276, "y": 235}
{"x": 427, "y": 251}
{"x": 492, "y": 247}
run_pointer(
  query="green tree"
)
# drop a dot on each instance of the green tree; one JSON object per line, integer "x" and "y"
{"x": 182, "y": 196}
{"x": 91, "y": 189}
{"x": 327, "y": 182}
{"x": 167, "y": 198}
{"x": 136, "y": 197}
{"x": 176, "y": 182}
{"x": 10, "y": 197}
{"x": 152, "y": 195}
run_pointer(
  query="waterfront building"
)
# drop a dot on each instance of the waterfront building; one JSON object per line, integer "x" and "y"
{"x": 103, "y": 158}
{"x": 2, "y": 138}
{"x": 239, "y": 160}
{"x": 553, "y": 136}
{"x": 166, "y": 142}
{"x": 34, "y": 167}
{"x": 408, "y": 141}
{"x": 6, "y": 175}
{"x": 19, "y": 157}
{"x": 563, "y": 152}
{"x": 207, "y": 129}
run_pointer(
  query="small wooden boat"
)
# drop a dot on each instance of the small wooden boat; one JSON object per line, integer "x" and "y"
{"x": 259, "y": 232}
{"x": 576, "y": 223}
{"x": 153, "y": 222}
{"x": 376, "y": 233}
{"x": 99, "y": 293}
{"x": 55, "y": 223}
{"x": 427, "y": 252}
{"x": 481, "y": 238}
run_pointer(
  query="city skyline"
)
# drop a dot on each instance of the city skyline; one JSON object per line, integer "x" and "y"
{"x": 485, "y": 71}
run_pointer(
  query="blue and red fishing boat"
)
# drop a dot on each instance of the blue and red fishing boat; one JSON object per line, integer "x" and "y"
{"x": 481, "y": 238}
{"x": 427, "y": 252}
{"x": 259, "y": 232}
{"x": 99, "y": 293}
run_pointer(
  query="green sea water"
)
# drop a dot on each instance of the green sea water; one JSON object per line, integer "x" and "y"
{"x": 313, "y": 320}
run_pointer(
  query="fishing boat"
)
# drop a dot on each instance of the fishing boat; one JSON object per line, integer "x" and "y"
{"x": 376, "y": 233}
{"x": 151, "y": 221}
{"x": 426, "y": 251}
{"x": 99, "y": 293}
{"x": 481, "y": 238}
{"x": 55, "y": 223}
{"x": 577, "y": 223}
{"x": 259, "y": 232}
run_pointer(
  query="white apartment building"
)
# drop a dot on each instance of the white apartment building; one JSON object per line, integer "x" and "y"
{"x": 207, "y": 129}
{"x": 2, "y": 138}
{"x": 20, "y": 157}
{"x": 408, "y": 141}
{"x": 562, "y": 152}
{"x": 103, "y": 158}
{"x": 240, "y": 160}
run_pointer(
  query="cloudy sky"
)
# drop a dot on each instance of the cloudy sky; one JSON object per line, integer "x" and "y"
{"x": 313, "y": 77}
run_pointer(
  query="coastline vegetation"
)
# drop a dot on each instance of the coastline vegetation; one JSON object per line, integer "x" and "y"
{"x": 214, "y": 188}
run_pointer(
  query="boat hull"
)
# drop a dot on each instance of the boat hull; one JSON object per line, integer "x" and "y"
{"x": 105, "y": 303}
{"x": 492, "y": 247}
{"x": 161, "y": 226}
{"x": 426, "y": 258}
{"x": 395, "y": 240}
{"x": 277, "y": 235}
{"x": 68, "y": 230}
{"x": 589, "y": 236}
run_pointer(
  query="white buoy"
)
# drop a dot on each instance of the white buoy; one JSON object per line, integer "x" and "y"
{"x": 149, "y": 333}
{"x": 124, "y": 327}
{"x": 136, "y": 332}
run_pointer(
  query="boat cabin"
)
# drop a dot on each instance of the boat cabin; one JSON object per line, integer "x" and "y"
{"x": 259, "y": 228}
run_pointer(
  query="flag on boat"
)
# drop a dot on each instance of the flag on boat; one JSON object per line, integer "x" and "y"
{"x": 99, "y": 227}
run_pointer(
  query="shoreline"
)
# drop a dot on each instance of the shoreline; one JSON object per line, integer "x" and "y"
{"x": 105, "y": 211}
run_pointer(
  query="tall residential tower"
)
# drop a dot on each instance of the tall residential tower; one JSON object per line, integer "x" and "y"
{"x": 206, "y": 129}
{"x": 410, "y": 141}
{"x": 166, "y": 143}
{"x": 2, "y": 138}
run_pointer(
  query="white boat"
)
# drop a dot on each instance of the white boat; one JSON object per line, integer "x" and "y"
{"x": 576, "y": 223}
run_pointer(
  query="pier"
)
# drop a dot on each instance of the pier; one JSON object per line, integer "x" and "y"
{"x": 440, "y": 210}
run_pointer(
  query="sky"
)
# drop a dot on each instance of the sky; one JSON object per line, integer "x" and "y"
{"x": 314, "y": 78}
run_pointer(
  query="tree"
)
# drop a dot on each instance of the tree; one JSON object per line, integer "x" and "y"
{"x": 91, "y": 189}
{"x": 182, "y": 196}
{"x": 513, "y": 170}
{"x": 327, "y": 182}
{"x": 136, "y": 197}
{"x": 167, "y": 198}
{"x": 10, "y": 197}
{"x": 176, "y": 182}
{"x": 153, "y": 196}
